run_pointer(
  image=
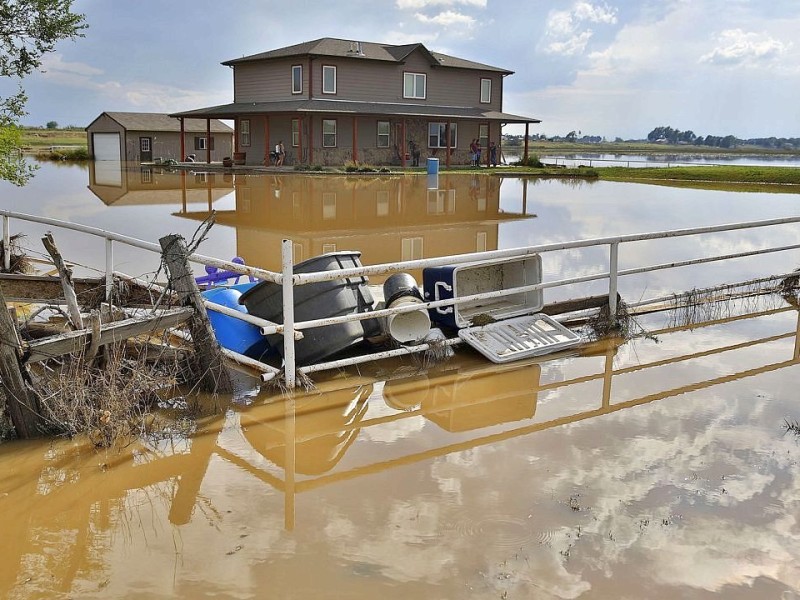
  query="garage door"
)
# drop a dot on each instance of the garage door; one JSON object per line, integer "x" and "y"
{"x": 106, "y": 146}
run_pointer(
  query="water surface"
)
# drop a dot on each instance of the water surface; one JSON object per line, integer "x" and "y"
{"x": 657, "y": 467}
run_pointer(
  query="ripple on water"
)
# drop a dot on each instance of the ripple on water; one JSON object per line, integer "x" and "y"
{"x": 499, "y": 531}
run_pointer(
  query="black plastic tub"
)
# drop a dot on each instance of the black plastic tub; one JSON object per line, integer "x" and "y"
{"x": 318, "y": 300}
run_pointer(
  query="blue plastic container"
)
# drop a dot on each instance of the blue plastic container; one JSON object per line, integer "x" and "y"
{"x": 433, "y": 166}
{"x": 235, "y": 334}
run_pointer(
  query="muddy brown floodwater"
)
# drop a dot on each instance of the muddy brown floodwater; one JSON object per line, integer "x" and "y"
{"x": 657, "y": 469}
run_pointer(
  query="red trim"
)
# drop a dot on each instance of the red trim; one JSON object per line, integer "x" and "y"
{"x": 355, "y": 139}
{"x": 183, "y": 140}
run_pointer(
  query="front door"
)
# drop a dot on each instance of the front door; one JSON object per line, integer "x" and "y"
{"x": 145, "y": 149}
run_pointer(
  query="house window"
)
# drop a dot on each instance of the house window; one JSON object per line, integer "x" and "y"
{"x": 328, "y": 79}
{"x": 295, "y": 132}
{"x": 200, "y": 143}
{"x": 326, "y": 248}
{"x": 437, "y": 138}
{"x": 144, "y": 144}
{"x": 486, "y": 91}
{"x": 328, "y": 133}
{"x": 383, "y": 134}
{"x": 297, "y": 79}
{"x": 414, "y": 85}
{"x": 244, "y": 132}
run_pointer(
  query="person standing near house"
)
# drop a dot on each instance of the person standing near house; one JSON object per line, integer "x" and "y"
{"x": 477, "y": 153}
{"x": 493, "y": 154}
{"x": 473, "y": 153}
{"x": 280, "y": 153}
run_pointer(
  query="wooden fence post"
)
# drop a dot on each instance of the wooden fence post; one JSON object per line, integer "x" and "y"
{"x": 214, "y": 376}
{"x": 21, "y": 402}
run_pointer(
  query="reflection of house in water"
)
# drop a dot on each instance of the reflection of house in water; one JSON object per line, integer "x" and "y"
{"x": 120, "y": 184}
{"x": 388, "y": 219}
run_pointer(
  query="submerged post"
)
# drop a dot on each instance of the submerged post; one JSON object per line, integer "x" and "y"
{"x": 214, "y": 377}
{"x": 287, "y": 270}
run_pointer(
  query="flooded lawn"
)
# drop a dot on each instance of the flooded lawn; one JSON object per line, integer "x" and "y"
{"x": 660, "y": 467}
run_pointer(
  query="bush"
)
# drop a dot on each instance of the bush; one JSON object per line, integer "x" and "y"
{"x": 531, "y": 161}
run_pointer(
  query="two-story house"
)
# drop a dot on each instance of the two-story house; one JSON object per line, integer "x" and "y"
{"x": 330, "y": 101}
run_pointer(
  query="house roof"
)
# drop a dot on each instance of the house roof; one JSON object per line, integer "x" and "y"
{"x": 334, "y": 47}
{"x": 327, "y": 106}
{"x": 162, "y": 122}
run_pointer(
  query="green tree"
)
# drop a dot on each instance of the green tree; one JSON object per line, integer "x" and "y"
{"x": 52, "y": 125}
{"x": 29, "y": 29}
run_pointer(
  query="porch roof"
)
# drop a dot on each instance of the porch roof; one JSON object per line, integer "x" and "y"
{"x": 354, "y": 108}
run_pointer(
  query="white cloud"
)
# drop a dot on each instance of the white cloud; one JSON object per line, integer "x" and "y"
{"x": 566, "y": 32}
{"x": 56, "y": 65}
{"x": 446, "y": 19}
{"x": 737, "y": 47}
{"x": 418, "y": 4}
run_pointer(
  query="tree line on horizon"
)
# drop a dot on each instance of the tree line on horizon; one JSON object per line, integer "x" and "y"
{"x": 667, "y": 135}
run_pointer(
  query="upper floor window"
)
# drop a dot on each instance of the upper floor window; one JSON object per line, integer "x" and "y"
{"x": 328, "y": 79}
{"x": 328, "y": 133}
{"x": 437, "y": 135}
{"x": 244, "y": 132}
{"x": 297, "y": 79}
{"x": 486, "y": 91}
{"x": 414, "y": 85}
{"x": 383, "y": 134}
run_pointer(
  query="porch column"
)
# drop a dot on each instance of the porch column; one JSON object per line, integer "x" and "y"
{"x": 402, "y": 145}
{"x": 267, "y": 146}
{"x": 236, "y": 134}
{"x": 488, "y": 142}
{"x": 525, "y": 153}
{"x": 299, "y": 140}
{"x": 355, "y": 139}
{"x": 182, "y": 157}
{"x": 310, "y": 139}
{"x": 208, "y": 141}
{"x": 447, "y": 149}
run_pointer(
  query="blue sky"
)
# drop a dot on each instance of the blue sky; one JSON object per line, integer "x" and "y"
{"x": 610, "y": 68}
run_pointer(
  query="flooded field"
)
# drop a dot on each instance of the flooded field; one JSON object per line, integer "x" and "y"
{"x": 658, "y": 467}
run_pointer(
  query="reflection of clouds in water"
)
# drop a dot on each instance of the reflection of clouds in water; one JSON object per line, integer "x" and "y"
{"x": 405, "y": 548}
{"x": 394, "y": 431}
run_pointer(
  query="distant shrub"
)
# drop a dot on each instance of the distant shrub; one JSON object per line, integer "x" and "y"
{"x": 75, "y": 154}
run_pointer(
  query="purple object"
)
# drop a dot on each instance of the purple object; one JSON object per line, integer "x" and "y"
{"x": 215, "y": 275}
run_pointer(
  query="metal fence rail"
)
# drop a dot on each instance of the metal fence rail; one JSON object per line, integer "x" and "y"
{"x": 288, "y": 279}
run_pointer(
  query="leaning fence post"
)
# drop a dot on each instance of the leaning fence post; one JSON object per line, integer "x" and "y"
{"x": 214, "y": 376}
{"x": 21, "y": 402}
{"x": 287, "y": 270}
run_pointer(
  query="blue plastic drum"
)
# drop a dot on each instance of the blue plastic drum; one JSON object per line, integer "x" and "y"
{"x": 235, "y": 334}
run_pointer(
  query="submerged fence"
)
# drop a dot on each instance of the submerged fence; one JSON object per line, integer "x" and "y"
{"x": 288, "y": 279}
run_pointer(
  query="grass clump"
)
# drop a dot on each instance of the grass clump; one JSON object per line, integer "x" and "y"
{"x": 108, "y": 401}
{"x": 356, "y": 167}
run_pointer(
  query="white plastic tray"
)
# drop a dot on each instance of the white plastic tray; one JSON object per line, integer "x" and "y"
{"x": 519, "y": 337}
